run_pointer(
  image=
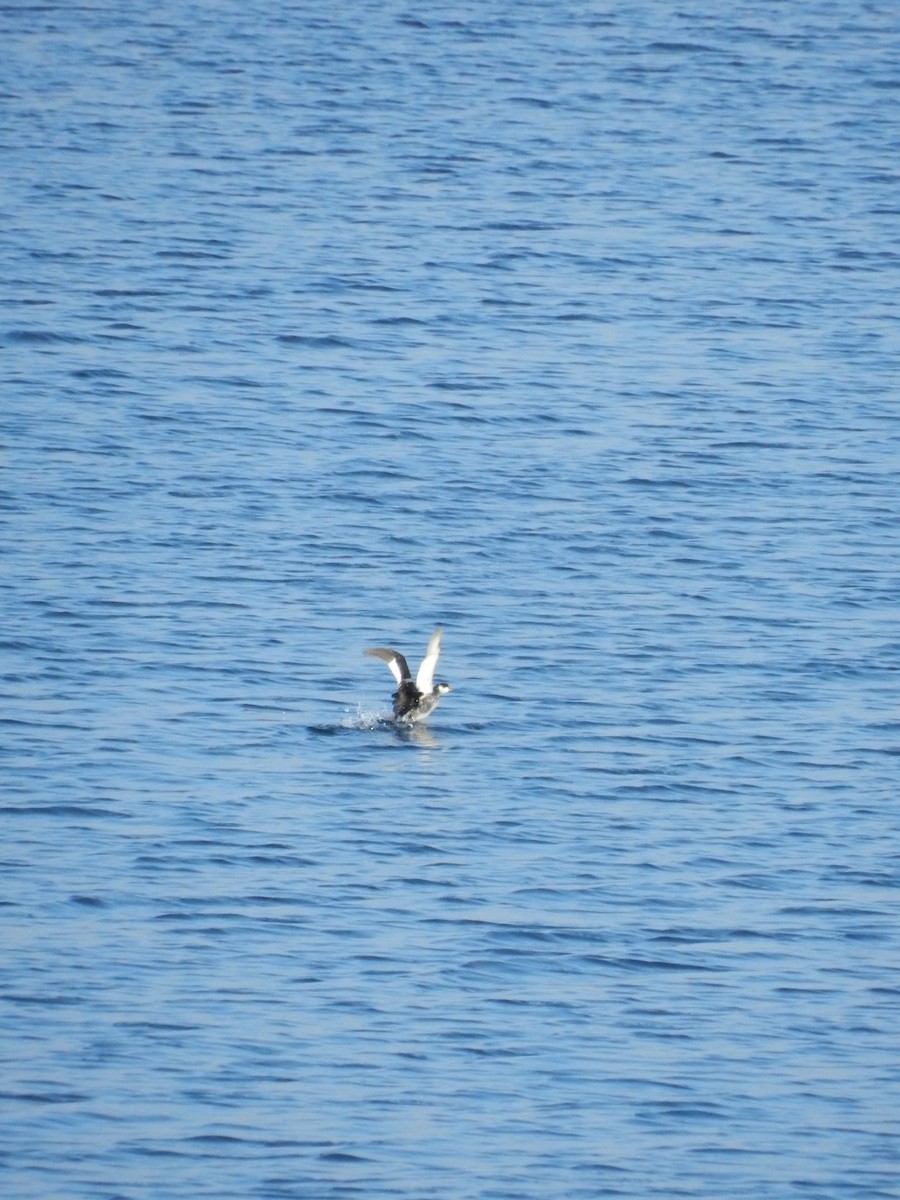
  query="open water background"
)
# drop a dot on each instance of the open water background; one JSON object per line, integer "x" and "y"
{"x": 574, "y": 328}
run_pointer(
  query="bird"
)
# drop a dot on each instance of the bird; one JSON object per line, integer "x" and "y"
{"x": 414, "y": 700}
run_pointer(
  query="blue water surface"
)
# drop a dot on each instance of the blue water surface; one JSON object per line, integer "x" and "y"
{"x": 573, "y": 328}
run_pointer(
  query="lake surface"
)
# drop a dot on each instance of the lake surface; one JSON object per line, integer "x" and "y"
{"x": 573, "y": 328}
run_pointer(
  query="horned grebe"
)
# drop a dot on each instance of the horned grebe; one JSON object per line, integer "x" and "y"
{"x": 414, "y": 701}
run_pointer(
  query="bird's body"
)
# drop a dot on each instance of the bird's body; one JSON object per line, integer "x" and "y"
{"x": 415, "y": 699}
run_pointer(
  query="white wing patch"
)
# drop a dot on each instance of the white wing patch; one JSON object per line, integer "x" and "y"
{"x": 425, "y": 677}
{"x": 395, "y": 661}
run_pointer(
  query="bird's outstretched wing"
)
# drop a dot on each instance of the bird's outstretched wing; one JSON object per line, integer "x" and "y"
{"x": 425, "y": 676}
{"x": 394, "y": 659}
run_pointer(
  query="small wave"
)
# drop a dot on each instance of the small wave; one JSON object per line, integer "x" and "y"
{"x": 40, "y": 336}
